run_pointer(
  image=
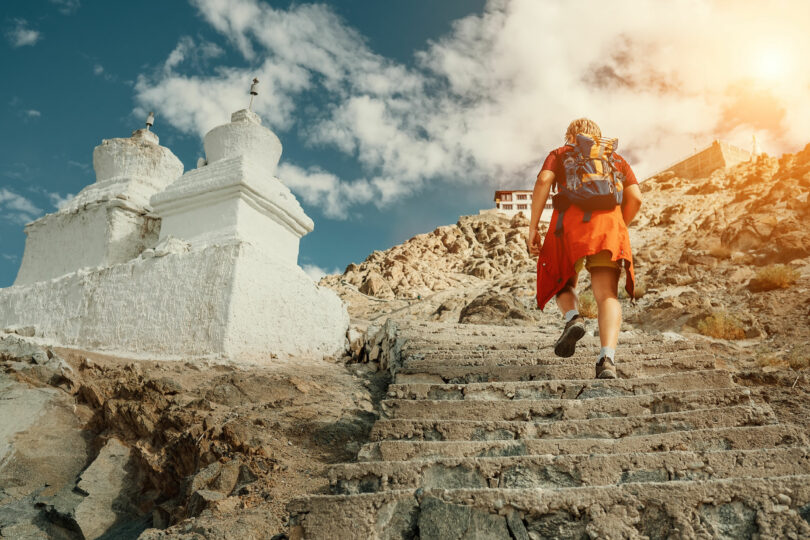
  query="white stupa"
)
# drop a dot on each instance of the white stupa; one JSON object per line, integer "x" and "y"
{"x": 108, "y": 222}
{"x": 200, "y": 265}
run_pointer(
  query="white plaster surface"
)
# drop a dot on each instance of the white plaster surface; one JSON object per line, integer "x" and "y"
{"x": 244, "y": 136}
{"x": 131, "y": 169}
{"x": 229, "y": 301}
{"x": 98, "y": 235}
{"x": 233, "y": 199}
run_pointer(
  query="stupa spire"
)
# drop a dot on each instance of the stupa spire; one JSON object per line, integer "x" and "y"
{"x": 254, "y": 91}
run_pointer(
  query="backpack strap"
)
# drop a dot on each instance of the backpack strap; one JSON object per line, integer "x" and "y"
{"x": 587, "y": 217}
{"x": 558, "y": 230}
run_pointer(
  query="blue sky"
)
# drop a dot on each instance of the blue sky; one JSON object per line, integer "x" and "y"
{"x": 396, "y": 117}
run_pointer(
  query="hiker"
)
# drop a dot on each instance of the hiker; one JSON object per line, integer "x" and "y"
{"x": 597, "y": 198}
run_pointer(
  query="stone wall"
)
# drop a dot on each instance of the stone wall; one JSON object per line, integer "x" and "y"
{"x": 717, "y": 156}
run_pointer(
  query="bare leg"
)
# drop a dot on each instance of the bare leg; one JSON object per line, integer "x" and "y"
{"x": 574, "y": 328}
{"x": 605, "y": 285}
{"x": 567, "y": 297}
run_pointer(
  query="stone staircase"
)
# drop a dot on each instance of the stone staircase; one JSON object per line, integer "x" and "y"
{"x": 487, "y": 435}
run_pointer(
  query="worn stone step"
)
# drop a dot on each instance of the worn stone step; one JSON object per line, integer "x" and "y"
{"x": 549, "y": 471}
{"x": 586, "y": 346}
{"x": 471, "y": 430}
{"x": 563, "y": 389}
{"x": 777, "y": 507}
{"x": 432, "y": 373}
{"x": 471, "y": 335}
{"x": 709, "y": 439}
{"x": 530, "y": 358}
{"x": 548, "y": 410}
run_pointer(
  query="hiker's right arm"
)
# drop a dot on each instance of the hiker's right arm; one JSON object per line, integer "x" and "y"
{"x": 542, "y": 187}
{"x": 631, "y": 202}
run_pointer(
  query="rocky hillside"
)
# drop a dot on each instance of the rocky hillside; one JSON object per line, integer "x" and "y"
{"x": 702, "y": 247}
{"x": 489, "y": 247}
{"x": 434, "y": 276}
{"x": 757, "y": 212}
{"x": 736, "y": 244}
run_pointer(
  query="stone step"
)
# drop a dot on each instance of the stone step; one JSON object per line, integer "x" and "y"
{"x": 549, "y": 471}
{"x": 563, "y": 389}
{"x": 471, "y": 430}
{"x": 476, "y": 334}
{"x": 702, "y": 440}
{"x": 551, "y": 410}
{"x": 431, "y": 373}
{"x": 545, "y": 347}
{"x": 547, "y": 357}
{"x": 777, "y": 507}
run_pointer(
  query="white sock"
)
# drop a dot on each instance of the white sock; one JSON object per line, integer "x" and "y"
{"x": 570, "y": 315}
{"x": 607, "y": 352}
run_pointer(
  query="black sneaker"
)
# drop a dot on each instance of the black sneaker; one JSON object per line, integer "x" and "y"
{"x": 573, "y": 332}
{"x": 606, "y": 369}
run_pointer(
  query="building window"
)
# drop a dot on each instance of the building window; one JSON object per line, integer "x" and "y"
{"x": 507, "y": 207}
{"x": 521, "y": 197}
{"x": 522, "y": 206}
{"x": 506, "y": 197}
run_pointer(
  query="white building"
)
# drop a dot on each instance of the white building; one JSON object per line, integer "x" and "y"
{"x": 514, "y": 201}
{"x": 200, "y": 265}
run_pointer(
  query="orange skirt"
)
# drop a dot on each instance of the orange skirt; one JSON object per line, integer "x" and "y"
{"x": 605, "y": 231}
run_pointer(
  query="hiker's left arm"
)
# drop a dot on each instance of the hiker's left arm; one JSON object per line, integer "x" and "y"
{"x": 631, "y": 202}
{"x": 542, "y": 187}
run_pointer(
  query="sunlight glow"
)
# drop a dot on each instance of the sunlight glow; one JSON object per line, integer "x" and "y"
{"x": 771, "y": 63}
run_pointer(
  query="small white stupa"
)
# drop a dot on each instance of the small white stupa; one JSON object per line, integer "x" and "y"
{"x": 108, "y": 222}
{"x": 202, "y": 265}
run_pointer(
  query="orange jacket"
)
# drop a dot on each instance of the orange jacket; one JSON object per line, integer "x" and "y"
{"x": 605, "y": 231}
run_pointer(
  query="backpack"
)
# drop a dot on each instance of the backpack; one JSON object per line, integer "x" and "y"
{"x": 592, "y": 179}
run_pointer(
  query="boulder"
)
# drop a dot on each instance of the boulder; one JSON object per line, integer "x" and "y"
{"x": 792, "y": 245}
{"x": 110, "y": 490}
{"x": 357, "y": 341}
{"x": 375, "y": 285}
{"x": 13, "y": 347}
{"x": 519, "y": 221}
{"x": 447, "y": 307}
{"x": 202, "y": 500}
{"x": 494, "y": 308}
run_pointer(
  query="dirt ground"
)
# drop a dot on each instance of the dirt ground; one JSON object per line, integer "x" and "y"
{"x": 188, "y": 424}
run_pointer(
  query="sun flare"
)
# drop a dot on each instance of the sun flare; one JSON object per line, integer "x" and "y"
{"x": 771, "y": 63}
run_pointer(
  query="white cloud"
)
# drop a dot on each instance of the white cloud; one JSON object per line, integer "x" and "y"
{"x": 58, "y": 200}
{"x": 98, "y": 69}
{"x": 32, "y": 113}
{"x": 16, "y": 208}
{"x": 20, "y": 35}
{"x": 10, "y": 257}
{"x": 484, "y": 103}
{"x": 316, "y": 272}
{"x": 79, "y": 165}
{"x": 67, "y": 7}
{"x": 187, "y": 50}
{"x": 325, "y": 190}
